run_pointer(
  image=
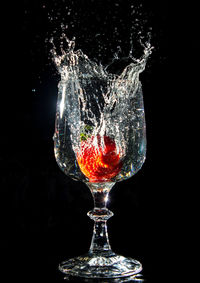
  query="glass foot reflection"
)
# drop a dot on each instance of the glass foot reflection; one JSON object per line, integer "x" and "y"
{"x": 138, "y": 278}
{"x": 101, "y": 266}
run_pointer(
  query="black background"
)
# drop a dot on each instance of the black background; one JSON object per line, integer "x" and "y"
{"x": 43, "y": 212}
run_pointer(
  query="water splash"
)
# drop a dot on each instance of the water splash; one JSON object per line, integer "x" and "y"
{"x": 93, "y": 102}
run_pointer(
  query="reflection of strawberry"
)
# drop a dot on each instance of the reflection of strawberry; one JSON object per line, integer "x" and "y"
{"x": 98, "y": 163}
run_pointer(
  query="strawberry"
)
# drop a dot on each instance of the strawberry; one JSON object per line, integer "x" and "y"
{"x": 97, "y": 163}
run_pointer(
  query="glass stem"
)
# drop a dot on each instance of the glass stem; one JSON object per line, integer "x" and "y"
{"x": 100, "y": 214}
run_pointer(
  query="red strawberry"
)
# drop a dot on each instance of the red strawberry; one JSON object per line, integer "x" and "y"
{"x": 98, "y": 163}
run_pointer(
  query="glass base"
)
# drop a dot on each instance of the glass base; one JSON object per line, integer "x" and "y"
{"x": 108, "y": 265}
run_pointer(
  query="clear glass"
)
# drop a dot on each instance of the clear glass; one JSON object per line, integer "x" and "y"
{"x": 99, "y": 139}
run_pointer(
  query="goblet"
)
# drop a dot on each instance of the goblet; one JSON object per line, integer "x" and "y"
{"x": 100, "y": 140}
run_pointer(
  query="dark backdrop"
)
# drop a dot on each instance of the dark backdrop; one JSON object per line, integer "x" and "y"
{"x": 43, "y": 212}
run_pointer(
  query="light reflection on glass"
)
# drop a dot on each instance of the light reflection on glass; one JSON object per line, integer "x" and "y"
{"x": 135, "y": 279}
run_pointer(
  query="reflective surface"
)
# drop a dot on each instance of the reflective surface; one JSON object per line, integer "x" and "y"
{"x": 137, "y": 278}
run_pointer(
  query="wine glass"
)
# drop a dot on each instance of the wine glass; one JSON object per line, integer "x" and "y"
{"x": 99, "y": 139}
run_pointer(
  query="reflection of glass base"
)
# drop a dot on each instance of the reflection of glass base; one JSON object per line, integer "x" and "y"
{"x": 107, "y": 265}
